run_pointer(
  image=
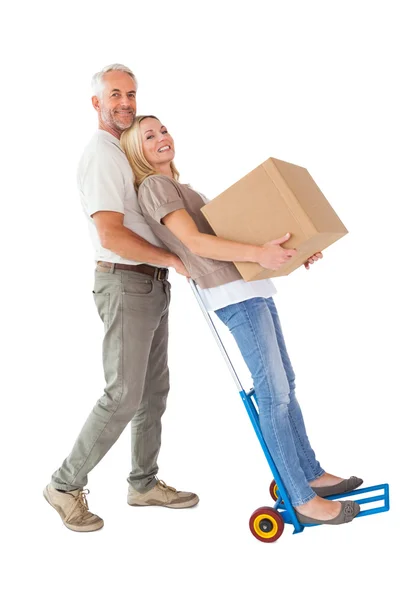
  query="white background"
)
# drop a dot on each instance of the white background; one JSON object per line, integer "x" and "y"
{"x": 314, "y": 83}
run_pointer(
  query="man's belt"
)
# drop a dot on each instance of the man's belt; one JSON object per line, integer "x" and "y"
{"x": 154, "y": 272}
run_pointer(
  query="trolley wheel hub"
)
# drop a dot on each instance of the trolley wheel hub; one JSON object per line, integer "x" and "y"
{"x": 265, "y": 525}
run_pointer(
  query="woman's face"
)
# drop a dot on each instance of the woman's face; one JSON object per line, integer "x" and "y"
{"x": 158, "y": 145}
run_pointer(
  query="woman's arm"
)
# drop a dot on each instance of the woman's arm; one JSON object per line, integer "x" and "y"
{"x": 270, "y": 256}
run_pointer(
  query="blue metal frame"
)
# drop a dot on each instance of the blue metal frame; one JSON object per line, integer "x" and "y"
{"x": 283, "y": 504}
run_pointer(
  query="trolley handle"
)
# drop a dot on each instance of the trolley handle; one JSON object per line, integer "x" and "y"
{"x": 215, "y": 333}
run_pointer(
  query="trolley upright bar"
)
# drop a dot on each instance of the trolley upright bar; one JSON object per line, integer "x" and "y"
{"x": 216, "y": 336}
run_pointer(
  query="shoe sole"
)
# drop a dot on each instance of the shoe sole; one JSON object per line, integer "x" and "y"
{"x": 71, "y": 527}
{"x": 182, "y": 505}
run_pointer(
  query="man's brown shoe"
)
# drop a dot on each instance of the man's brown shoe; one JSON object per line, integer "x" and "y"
{"x": 162, "y": 495}
{"x": 73, "y": 509}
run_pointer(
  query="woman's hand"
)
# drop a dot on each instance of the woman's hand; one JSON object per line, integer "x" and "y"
{"x": 313, "y": 259}
{"x": 273, "y": 256}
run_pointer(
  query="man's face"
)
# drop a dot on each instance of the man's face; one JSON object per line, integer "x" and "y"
{"x": 116, "y": 104}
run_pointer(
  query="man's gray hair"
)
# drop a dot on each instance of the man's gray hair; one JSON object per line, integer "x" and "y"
{"x": 97, "y": 79}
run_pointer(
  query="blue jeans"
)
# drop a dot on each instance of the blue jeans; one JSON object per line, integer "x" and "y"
{"x": 256, "y": 328}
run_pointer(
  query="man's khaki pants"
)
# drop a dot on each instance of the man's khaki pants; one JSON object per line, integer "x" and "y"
{"x": 134, "y": 310}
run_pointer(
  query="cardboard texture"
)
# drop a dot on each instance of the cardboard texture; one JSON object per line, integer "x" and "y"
{"x": 276, "y": 198}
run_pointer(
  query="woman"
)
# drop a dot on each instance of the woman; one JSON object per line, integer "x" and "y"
{"x": 246, "y": 308}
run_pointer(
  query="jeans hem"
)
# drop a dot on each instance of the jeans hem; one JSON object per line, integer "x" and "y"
{"x": 320, "y": 473}
{"x": 310, "y": 497}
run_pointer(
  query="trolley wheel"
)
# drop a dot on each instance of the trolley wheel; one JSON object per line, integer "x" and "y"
{"x": 273, "y": 490}
{"x": 266, "y": 524}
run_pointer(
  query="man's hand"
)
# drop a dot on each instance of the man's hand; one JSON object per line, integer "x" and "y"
{"x": 274, "y": 256}
{"x": 179, "y": 267}
{"x": 313, "y": 259}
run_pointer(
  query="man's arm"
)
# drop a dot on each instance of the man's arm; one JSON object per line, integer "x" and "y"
{"x": 119, "y": 239}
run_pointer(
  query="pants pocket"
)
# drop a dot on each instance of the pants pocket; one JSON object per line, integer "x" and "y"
{"x": 102, "y": 302}
{"x": 137, "y": 286}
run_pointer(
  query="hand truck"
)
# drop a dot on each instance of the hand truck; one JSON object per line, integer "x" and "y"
{"x": 267, "y": 523}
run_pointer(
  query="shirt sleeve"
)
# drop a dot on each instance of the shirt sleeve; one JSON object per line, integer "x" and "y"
{"x": 158, "y": 196}
{"x": 102, "y": 183}
{"x": 204, "y": 198}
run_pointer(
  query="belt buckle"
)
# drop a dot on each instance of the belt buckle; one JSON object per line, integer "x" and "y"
{"x": 161, "y": 274}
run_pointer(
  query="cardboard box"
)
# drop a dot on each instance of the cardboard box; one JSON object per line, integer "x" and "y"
{"x": 276, "y": 198}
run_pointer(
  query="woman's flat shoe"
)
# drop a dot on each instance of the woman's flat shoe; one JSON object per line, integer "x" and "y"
{"x": 347, "y": 513}
{"x": 347, "y": 485}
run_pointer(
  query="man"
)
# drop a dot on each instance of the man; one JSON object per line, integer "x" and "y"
{"x": 132, "y": 296}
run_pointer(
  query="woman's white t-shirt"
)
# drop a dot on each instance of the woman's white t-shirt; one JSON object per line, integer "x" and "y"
{"x": 236, "y": 291}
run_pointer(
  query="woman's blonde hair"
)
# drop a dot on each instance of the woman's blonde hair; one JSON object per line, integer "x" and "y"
{"x": 131, "y": 143}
